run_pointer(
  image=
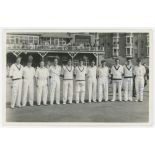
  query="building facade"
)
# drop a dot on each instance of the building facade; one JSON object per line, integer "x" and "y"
{"x": 89, "y": 46}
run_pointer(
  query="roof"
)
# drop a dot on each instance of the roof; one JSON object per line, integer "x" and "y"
{"x": 42, "y": 34}
{"x": 56, "y": 35}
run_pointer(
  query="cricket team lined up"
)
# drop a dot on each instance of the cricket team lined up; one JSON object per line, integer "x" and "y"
{"x": 47, "y": 80}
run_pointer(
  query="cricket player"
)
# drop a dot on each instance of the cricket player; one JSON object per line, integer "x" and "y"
{"x": 28, "y": 84}
{"x": 147, "y": 74}
{"x": 128, "y": 80}
{"x": 103, "y": 75}
{"x": 55, "y": 72}
{"x": 16, "y": 73}
{"x": 42, "y": 78}
{"x": 117, "y": 75}
{"x": 67, "y": 72}
{"x": 139, "y": 72}
{"x": 48, "y": 65}
{"x": 91, "y": 74}
{"x": 80, "y": 73}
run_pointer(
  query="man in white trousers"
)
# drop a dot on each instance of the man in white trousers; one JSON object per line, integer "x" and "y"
{"x": 80, "y": 74}
{"x": 139, "y": 73}
{"x": 128, "y": 80}
{"x": 67, "y": 73}
{"x": 55, "y": 71}
{"x": 117, "y": 76}
{"x": 103, "y": 75}
{"x": 28, "y": 84}
{"x": 48, "y": 65}
{"x": 42, "y": 78}
{"x": 16, "y": 73}
{"x": 91, "y": 75}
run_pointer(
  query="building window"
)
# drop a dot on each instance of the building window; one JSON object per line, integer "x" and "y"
{"x": 128, "y": 51}
{"x": 115, "y": 52}
{"x": 31, "y": 40}
{"x": 127, "y": 39}
{"x": 36, "y": 41}
{"x": 52, "y": 41}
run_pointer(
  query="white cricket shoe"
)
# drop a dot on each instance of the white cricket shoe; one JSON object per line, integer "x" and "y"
{"x": 12, "y": 107}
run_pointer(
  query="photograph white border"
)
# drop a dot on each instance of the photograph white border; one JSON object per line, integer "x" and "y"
{"x": 76, "y": 124}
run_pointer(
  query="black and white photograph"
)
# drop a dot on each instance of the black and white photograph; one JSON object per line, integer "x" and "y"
{"x": 77, "y": 76}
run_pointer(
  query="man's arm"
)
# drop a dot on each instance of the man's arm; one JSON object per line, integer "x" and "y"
{"x": 11, "y": 71}
{"x": 62, "y": 72}
{"x": 36, "y": 77}
{"x": 145, "y": 76}
{"x": 11, "y": 74}
{"x": 123, "y": 71}
{"x": 97, "y": 72}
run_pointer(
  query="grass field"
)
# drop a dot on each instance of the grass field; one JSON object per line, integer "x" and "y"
{"x": 89, "y": 112}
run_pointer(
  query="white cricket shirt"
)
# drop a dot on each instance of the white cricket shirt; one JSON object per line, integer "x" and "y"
{"x": 103, "y": 72}
{"x": 80, "y": 72}
{"x": 139, "y": 71}
{"x": 28, "y": 73}
{"x": 55, "y": 72}
{"x": 16, "y": 71}
{"x": 42, "y": 74}
{"x": 91, "y": 72}
{"x": 117, "y": 72}
{"x": 128, "y": 71}
{"x": 67, "y": 71}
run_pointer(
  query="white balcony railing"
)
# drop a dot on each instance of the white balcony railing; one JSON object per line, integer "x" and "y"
{"x": 53, "y": 47}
